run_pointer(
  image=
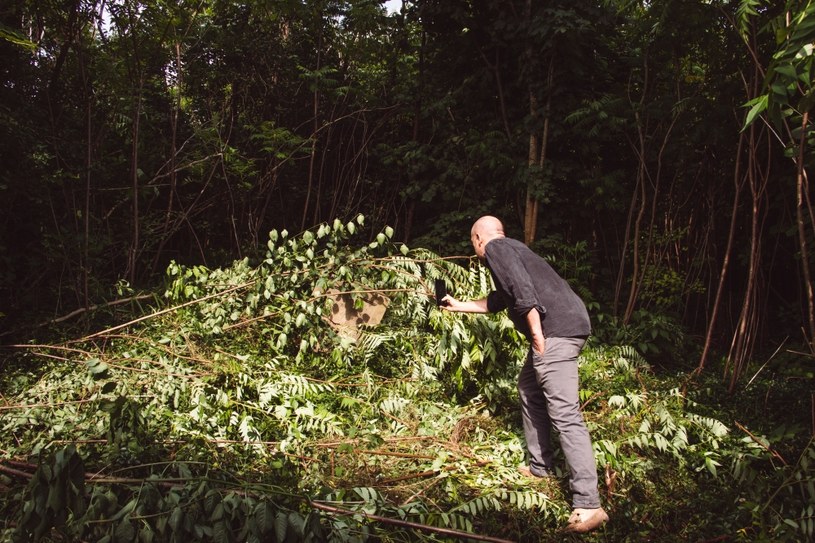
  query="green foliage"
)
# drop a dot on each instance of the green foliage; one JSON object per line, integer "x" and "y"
{"x": 55, "y": 496}
{"x": 187, "y": 131}
{"x": 653, "y": 421}
{"x": 773, "y": 517}
{"x": 12, "y": 36}
{"x": 159, "y": 510}
{"x": 789, "y": 80}
{"x": 653, "y": 334}
{"x": 239, "y": 412}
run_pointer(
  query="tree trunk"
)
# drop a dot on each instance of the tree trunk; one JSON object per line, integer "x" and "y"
{"x": 743, "y": 344}
{"x": 537, "y": 157}
{"x": 87, "y": 211}
{"x": 416, "y": 130}
{"x": 632, "y": 223}
{"x": 134, "y": 187}
{"x": 137, "y": 79}
{"x": 738, "y": 183}
{"x": 618, "y": 290}
{"x": 642, "y": 198}
{"x": 530, "y": 204}
{"x": 801, "y": 199}
{"x": 175, "y": 109}
{"x": 314, "y": 129}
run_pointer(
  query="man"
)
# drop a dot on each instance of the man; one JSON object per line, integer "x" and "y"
{"x": 555, "y": 321}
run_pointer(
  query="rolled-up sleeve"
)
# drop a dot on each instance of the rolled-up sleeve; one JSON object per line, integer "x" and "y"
{"x": 495, "y": 302}
{"x": 508, "y": 269}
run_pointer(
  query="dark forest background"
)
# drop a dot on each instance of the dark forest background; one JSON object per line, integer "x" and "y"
{"x": 657, "y": 151}
{"x": 198, "y": 196}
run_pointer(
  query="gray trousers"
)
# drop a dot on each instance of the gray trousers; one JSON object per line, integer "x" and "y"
{"x": 548, "y": 387}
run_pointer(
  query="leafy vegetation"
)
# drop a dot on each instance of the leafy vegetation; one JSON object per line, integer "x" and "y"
{"x": 197, "y": 377}
{"x": 138, "y": 133}
{"x": 237, "y": 409}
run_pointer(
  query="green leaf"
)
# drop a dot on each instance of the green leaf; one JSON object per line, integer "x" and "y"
{"x": 787, "y": 70}
{"x": 97, "y": 368}
{"x": 805, "y": 51}
{"x": 125, "y": 531}
{"x": 176, "y": 519}
{"x": 127, "y": 509}
{"x": 711, "y": 464}
{"x": 780, "y": 94}
{"x": 790, "y": 522}
{"x": 265, "y": 517}
{"x": 221, "y": 532}
{"x": 759, "y": 105}
{"x": 12, "y": 36}
{"x": 280, "y": 526}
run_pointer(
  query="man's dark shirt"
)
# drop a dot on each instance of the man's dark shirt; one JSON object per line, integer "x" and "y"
{"x": 525, "y": 281}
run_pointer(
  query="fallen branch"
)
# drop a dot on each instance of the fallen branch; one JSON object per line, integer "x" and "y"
{"x": 407, "y": 524}
{"x": 429, "y": 473}
{"x": 399, "y": 439}
{"x": 765, "y": 447}
{"x": 174, "y": 482}
{"x": 103, "y": 480}
{"x": 165, "y": 311}
{"x": 44, "y": 405}
{"x": 396, "y": 454}
{"x": 15, "y": 472}
{"x": 419, "y": 475}
{"x": 88, "y": 309}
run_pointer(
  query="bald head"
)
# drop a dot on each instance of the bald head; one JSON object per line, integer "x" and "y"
{"x": 488, "y": 226}
{"x": 484, "y": 230}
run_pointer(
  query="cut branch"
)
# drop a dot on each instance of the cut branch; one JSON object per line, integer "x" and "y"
{"x": 407, "y": 524}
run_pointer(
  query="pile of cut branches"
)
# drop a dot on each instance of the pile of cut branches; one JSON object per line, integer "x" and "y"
{"x": 275, "y": 401}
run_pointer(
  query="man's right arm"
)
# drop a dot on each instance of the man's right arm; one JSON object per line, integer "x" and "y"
{"x": 469, "y": 306}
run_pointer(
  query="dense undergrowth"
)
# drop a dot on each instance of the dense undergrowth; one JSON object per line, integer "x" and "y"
{"x": 237, "y": 410}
